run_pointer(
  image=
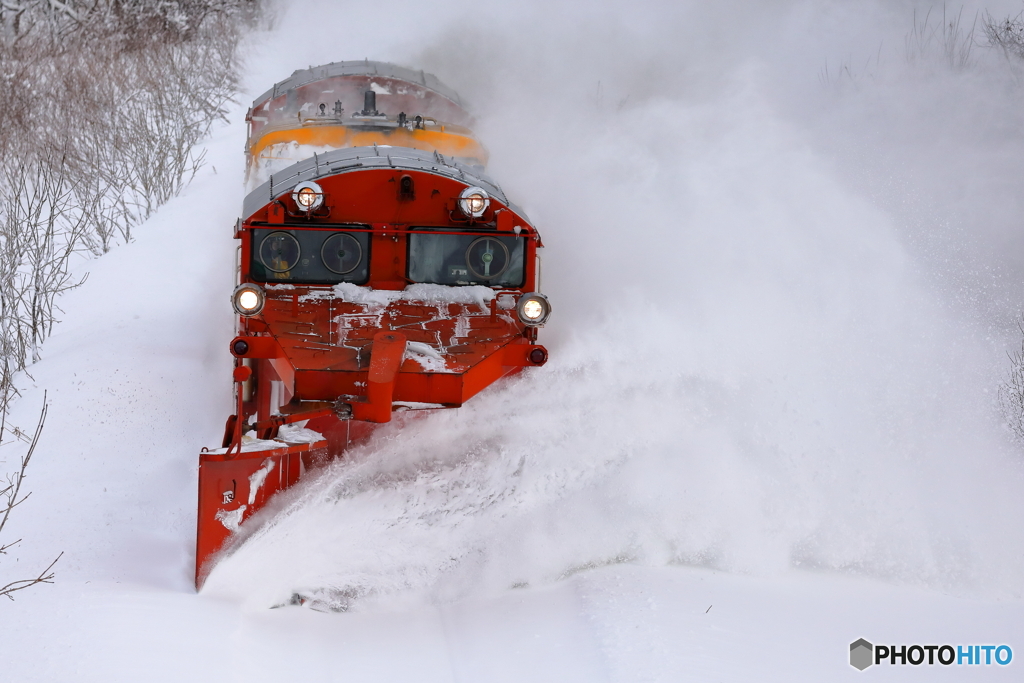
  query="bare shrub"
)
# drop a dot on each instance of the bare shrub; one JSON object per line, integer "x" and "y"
{"x": 135, "y": 22}
{"x": 41, "y": 225}
{"x": 105, "y": 102}
{"x": 11, "y": 495}
{"x": 120, "y": 93}
{"x": 1007, "y": 35}
{"x": 1010, "y": 394}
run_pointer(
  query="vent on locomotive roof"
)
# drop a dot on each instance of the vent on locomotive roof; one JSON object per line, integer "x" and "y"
{"x": 369, "y": 104}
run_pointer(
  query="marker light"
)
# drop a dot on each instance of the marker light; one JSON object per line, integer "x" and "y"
{"x": 533, "y": 309}
{"x": 308, "y": 196}
{"x": 473, "y": 201}
{"x": 248, "y": 299}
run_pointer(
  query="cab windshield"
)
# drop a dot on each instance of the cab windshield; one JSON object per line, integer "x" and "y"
{"x": 310, "y": 256}
{"x": 492, "y": 260}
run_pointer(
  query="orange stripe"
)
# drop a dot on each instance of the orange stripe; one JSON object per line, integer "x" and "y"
{"x": 338, "y": 137}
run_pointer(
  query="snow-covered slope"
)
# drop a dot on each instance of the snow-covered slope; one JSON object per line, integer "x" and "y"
{"x": 767, "y": 428}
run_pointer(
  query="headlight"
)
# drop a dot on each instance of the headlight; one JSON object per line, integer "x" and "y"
{"x": 533, "y": 309}
{"x": 473, "y": 201}
{"x": 308, "y": 196}
{"x": 248, "y": 299}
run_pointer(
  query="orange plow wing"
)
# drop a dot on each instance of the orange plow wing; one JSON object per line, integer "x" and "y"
{"x": 234, "y": 486}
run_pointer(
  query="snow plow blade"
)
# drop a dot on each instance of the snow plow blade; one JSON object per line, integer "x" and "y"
{"x": 233, "y": 486}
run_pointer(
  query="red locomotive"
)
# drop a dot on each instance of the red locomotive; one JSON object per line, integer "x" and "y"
{"x": 379, "y": 269}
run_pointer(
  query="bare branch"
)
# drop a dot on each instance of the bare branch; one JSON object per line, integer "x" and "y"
{"x": 1007, "y": 35}
{"x": 1010, "y": 395}
{"x": 12, "y": 491}
{"x": 11, "y": 496}
{"x": 45, "y": 576}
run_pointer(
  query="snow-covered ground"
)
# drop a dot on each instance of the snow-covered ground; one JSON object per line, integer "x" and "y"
{"x": 782, "y": 297}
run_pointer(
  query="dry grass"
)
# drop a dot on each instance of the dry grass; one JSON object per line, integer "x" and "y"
{"x": 948, "y": 37}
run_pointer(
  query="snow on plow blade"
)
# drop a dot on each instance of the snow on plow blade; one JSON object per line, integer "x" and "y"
{"x": 233, "y": 486}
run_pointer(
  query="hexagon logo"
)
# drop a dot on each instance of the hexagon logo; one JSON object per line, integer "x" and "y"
{"x": 861, "y": 654}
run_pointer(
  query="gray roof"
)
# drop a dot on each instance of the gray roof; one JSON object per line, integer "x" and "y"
{"x": 362, "y": 158}
{"x": 364, "y": 67}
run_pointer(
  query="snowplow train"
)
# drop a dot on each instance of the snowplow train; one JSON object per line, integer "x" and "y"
{"x": 379, "y": 270}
